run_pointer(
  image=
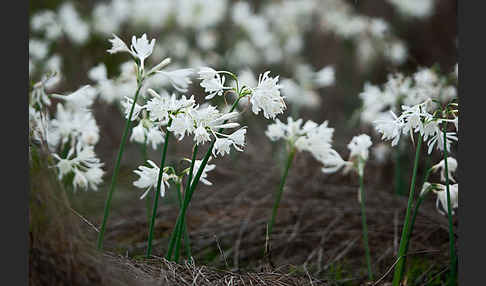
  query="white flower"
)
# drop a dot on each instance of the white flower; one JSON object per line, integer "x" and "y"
{"x": 204, "y": 175}
{"x": 117, "y": 45}
{"x": 141, "y": 48}
{"x": 325, "y": 77}
{"x": 161, "y": 106}
{"x": 149, "y": 178}
{"x": 80, "y": 99}
{"x": 98, "y": 73}
{"x": 441, "y": 192}
{"x": 238, "y": 138}
{"x": 391, "y": 128}
{"x": 266, "y": 97}
{"x": 221, "y": 146}
{"x": 332, "y": 161}
{"x": 359, "y": 146}
{"x": 155, "y": 137}
{"x": 180, "y": 79}
{"x": 439, "y": 139}
{"x": 181, "y": 123}
{"x": 138, "y": 133}
{"x": 212, "y": 82}
{"x": 451, "y": 168}
{"x": 207, "y": 73}
{"x": 201, "y": 135}
{"x": 127, "y": 105}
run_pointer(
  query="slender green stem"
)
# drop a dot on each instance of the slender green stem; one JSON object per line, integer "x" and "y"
{"x": 415, "y": 212}
{"x": 453, "y": 263}
{"x": 184, "y": 227}
{"x": 157, "y": 192}
{"x": 188, "y": 185}
{"x": 397, "y": 276}
{"x": 278, "y": 195}
{"x": 188, "y": 195}
{"x": 115, "y": 171}
{"x": 365, "y": 227}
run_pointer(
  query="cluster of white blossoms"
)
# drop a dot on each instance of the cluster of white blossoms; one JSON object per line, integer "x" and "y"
{"x": 303, "y": 90}
{"x": 441, "y": 190}
{"x": 312, "y": 137}
{"x": 417, "y": 119}
{"x": 70, "y": 135}
{"x": 181, "y": 115}
{"x": 272, "y": 34}
{"x": 409, "y": 90}
{"x": 414, "y": 8}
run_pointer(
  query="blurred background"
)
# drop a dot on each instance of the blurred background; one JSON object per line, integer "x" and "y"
{"x": 341, "y": 43}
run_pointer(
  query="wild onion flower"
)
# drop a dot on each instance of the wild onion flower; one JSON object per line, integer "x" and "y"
{"x": 441, "y": 192}
{"x": 451, "y": 166}
{"x": 82, "y": 161}
{"x": 148, "y": 177}
{"x": 212, "y": 82}
{"x": 266, "y": 97}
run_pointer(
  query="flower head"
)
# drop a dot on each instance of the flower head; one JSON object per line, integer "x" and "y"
{"x": 451, "y": 168}
{"x": 266, "y": 97}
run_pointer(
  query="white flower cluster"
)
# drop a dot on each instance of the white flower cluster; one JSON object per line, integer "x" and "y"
{"x": 417, "y": 119}
{"x": 70, "y": 135}
{"x": 312, "y": 137}
{"x": 414, "y": 8}
{"x": 359, "y": 153}
{"x": 303, "y": 90}
{"x": 409, "y": 90}
{"x": 441, "y": 190}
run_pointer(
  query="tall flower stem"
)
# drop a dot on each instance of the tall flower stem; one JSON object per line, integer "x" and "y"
{"x": 187, "y": 243}
{"x": 188, "y": 185}
{"x": 453, "y": 263}
{"x": 415, "y": 211}
{"x": 115, "y": 171}
{"x": 176, "y": 234}
{"x": 365, "y": 226}
{"x": 157, "y": 192}
{"x": 397, "y": 276}
{"x": 278, "y": 195}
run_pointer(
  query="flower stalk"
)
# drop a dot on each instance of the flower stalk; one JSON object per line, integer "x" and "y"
{"x": 115, "y": 171}
{"x": 398, "y": 273}
{"x": 278, "y": 195}
{"x": 365, "y": 226}
{"x": 157, "y": 192}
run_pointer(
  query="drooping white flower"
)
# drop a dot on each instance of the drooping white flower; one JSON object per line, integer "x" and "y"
{"x": 441, "y": 192}
{"x": 180, "y": 79}
{"x": 391, "y": 128}
{"x": 139, "y": 133}
{"x": 325, "y": 76}
{"x": 127, "y": 105}
{"x": 204, "y": 174}
{"x": 149, "y": 178}
{"x": 117, "y": 45}
{"x": 155, "y": 137}
{"x": 266, "y": 97}
{"x": 80, "y": 99}
{"x": 221, "y": 146}
{"x": 451, "y": 168}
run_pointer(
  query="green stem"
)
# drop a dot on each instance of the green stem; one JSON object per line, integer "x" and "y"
{"x": 278, "y": 195}
{"x": 188, "y": 185}
{"x": 187, "y": 243}
{"x": 188, "y": 195}
{"x": 415, "y": 212}
{"x": 365, "y": 227}
{"x": 453, "y": 263}
{"x": 157, "y": 192}
{"x": 397, "y": 276}
{"x": 115, "y": 171}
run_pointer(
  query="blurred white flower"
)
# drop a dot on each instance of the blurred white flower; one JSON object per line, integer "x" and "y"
{"x": 180, "y": 79}
{"x": 451, "y": 168}
{"x": 325, "y": 76}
